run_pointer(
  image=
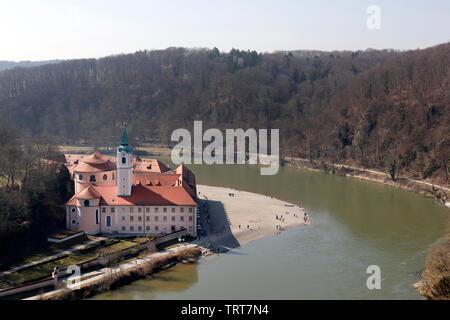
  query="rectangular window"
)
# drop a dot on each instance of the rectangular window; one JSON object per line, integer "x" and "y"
{"x": 123, "y": 228}
{"x": 113, "y": 209}
{"x": 131, "y": 218}
{"x": 103, "y": 210}
{"x": 147, "y": 228}
{"x": 73, "y": 209}
{"x": 139, "y": 228}
{"x": 164, "y": 218}
{"x": 123, "y": 218}
{"x": 131, "y": 228}
{"x": 139, "y": 209}
{"x": 181, "y": 209}
{"x": 139, "y": 218}
{"x": 156, "y": 228}
{"x": 96, "y": 217}
{"x": 190, "y": 209}
{"x": 147, "y": 209}
{"x": 173, "y": 218}
{"x": 108, "y": 221}
{"x": 131, "y": 209}
{"x": 164, "y": 209}
{"x": 147, "y": 218}
{"x": 173, "y": 209}
{"x": 156, "y": 218}
{"x": 181, "y": 218}
{"x": 123, "y": 209}
{"x": 156, "y": 210}
{"x": 190, "y": 218}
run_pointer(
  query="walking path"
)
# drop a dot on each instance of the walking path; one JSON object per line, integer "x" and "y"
{"x": 378, "y": 172}
{"x": 52, "y": 257}
{"x": 97, "y": 275}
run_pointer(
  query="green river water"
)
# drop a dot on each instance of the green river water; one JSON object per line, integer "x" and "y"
{"x": 355, "y": 224}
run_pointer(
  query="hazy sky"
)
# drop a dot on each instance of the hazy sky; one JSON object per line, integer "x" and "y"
{"x": 45, "y": 29}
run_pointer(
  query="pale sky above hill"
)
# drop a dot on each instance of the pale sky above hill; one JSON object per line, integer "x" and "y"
{"x": 60, "y": 29}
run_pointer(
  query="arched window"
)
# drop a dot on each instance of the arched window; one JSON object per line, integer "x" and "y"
{"x": 105, "y": 177}
{"x": 92, "y": 178}
{"x": 124, "y": 160}
{"x": 86, "y": 203}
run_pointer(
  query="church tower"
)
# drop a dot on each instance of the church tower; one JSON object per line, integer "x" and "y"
{"x": 124, "y": 167}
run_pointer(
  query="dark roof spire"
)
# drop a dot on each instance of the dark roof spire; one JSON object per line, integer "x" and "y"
{"x": 124, "y": 137}
{"x": 124, "y": 144}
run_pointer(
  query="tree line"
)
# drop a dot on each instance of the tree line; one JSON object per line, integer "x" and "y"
{"x": 33, "y": 191}
{"x": 382, "y": 109}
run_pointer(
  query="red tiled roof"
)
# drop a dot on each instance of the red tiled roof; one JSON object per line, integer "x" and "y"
{"x": 150, "y": 185}
{"x": 72, "y": 201}
{"x": 155, "y": 179}
{"x": 86, "y": 194}
{"x": 97, "y": 167}
{"x": 96, "y": 158}
{"x": 149, "y": 165}
{"x": 140, "y": 196}
{"x": 146, "y": 195}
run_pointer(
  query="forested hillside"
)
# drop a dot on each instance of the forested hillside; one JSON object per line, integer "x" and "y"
{"x": 12, "y": 64}
{"x": 369, "y": 108}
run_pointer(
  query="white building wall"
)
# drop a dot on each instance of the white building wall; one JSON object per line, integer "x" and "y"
{"x": 128, "y": 219}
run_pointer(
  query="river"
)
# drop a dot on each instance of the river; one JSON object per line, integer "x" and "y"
{"x": 355, "y": 224}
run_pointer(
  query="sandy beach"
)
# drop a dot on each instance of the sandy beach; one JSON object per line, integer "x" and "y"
{"x": 238, "y": 217}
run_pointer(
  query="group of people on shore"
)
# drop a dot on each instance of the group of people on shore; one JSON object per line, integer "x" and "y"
{"x": 279, "y": 227}
{"x": 305, "y": 218}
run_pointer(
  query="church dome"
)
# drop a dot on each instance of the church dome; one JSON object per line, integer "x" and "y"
{"x": 96, "y": 162}
{"x": 96, "y": 158}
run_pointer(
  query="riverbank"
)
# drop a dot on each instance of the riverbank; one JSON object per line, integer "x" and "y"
{"x": 435, "y": 279}
{"x": 238, "y": 217}
{"x": 427, "y": 189}
{"x": 231, "y": 218}
{"x": 110, "y": 278}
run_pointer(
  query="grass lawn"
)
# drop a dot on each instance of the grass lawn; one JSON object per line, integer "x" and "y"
{"x": 64, "y": 234}
{"x": 153, "y": 149}
{"x": 137, "y": 239}
{"x": 30, "y": 256}
{"x": 75, "y": 148}
{"x": 45, "y": 270}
